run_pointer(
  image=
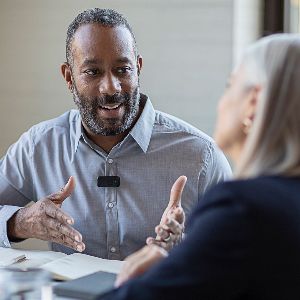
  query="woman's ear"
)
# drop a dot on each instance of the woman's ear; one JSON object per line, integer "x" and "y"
{"x": 252, "y": 101}
{"x": 67, "y": 74}
{"x": 250, "y": 108}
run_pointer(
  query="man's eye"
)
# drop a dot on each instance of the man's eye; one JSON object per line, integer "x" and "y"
{"x": 91, "y": 72}
{"x": 123, "y": 70}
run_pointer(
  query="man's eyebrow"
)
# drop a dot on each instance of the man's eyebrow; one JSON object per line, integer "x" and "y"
{"x": 91, "y": 61}
{"x": 94, "y": 61}
{"x": 123, "y": 60}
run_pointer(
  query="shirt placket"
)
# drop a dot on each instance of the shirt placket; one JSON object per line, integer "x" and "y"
{"x": 113, "y": 244}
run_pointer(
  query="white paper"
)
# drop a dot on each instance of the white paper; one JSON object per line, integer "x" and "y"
{"x": 61, "y": 265}
{"x": 77, "y": 265}
{"x": 8, "y": 257}
{"x": 34, "y": 258}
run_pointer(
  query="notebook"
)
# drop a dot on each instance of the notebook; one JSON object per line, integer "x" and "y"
{"x": 88, "y": 287}
{"x": 60, "y": 265}
{"x": 78, "y": 265}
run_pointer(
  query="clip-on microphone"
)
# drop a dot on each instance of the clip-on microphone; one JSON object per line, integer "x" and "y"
{"x": 108, "y": 181}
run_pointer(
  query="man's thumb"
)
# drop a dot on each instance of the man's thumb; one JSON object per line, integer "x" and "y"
{"x": 176, "y": 192}
{"x": 64, "y": 193}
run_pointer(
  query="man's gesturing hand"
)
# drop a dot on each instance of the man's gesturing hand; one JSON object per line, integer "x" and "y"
{"x": 170, "y": 229}
{"x": 46, "y": 221}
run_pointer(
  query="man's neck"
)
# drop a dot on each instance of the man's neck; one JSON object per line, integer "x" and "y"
{"x": 108, "y": 142}
{"x": 105, "y": 142}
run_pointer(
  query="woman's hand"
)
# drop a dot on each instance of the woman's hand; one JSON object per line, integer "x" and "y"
{"x": 139, "y": 262}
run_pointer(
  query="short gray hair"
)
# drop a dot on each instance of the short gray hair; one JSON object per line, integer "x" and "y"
{"x": 104, "y": 17}
{"x": 273, "y": 144}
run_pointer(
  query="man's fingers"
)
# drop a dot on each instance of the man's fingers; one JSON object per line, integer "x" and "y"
{"x": 176, "y": 214}
{"x": 64, "y": 229}
{"x": 172, "y": 226}
{"x": 56, "y": 213}
{"x": 168, "y": 234}
{"x": 162, "y": 233}
{"x": 162, "y": 244}
{"x": 176, "y": 192}
{"x": 175, "y": 197}
{"x": 66, "y": 241}
{"x": 63, "y": 234}
{"x": 64, "y": 193}
{"x": 179, "y": 215}
{"x": 68, "y": 189}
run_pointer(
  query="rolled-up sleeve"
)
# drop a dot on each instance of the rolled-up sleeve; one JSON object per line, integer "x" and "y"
{"x": 6, "y": 213}
{"x": 16, "y": 188}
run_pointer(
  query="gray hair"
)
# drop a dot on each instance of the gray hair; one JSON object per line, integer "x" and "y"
{"x": 104, "y": 17}
{"x": 273, "y": 144}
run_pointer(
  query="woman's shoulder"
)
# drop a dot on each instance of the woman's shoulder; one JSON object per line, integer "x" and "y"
{"x": 255, "y": 187}
{"x": 270, "y": 193}
{"x": 254, "y": 199}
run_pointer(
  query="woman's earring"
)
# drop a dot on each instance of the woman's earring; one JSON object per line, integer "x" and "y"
{"x": 247, "y": 123}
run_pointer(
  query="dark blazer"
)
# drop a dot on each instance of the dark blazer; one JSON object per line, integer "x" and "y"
{"x": 243, "y": 242}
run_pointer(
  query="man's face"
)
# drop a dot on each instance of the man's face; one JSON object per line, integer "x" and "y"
{"x": 105, "y": 83}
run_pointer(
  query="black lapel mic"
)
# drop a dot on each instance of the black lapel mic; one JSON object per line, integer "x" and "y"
{"x": 108, "y": 181}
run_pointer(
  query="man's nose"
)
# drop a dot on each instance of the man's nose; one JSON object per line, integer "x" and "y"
{"x": 109, "y": 85}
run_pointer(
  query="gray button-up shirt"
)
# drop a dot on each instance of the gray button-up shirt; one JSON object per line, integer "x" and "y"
{"x": 114, "y": 221}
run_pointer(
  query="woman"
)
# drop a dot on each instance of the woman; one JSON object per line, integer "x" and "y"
{"x": 243, "y": 240}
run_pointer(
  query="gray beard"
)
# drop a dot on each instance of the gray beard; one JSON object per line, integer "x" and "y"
{"x": 88, "y": 107}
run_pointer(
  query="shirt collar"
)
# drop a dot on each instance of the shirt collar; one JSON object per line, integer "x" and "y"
{"x": 141, "y": 131}
{"x": 78, "y": 132}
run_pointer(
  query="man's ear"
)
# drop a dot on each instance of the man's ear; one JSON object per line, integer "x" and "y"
{"x": 139, "y": 64}
{"x": 67, "y": 74}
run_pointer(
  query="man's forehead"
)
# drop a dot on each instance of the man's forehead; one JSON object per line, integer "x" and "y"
{"x": 92, "y": 36}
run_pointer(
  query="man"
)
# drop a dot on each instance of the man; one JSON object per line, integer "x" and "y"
{"x": 116, "y": 132}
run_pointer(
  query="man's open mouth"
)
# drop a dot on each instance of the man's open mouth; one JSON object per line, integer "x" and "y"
{"x": 111, "y": 106}
{"x": 111, "y": 111}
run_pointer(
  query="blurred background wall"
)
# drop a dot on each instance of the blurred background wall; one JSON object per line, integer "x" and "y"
{"x": 186, "y": 46}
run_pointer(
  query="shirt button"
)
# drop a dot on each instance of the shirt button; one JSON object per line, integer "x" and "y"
{"x": 110, "y": 161}
{"x": 113, "y": 249}
{"x": 110, "y": 205}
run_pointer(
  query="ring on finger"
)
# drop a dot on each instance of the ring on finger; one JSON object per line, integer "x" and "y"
{"x": 167, "y": 239}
